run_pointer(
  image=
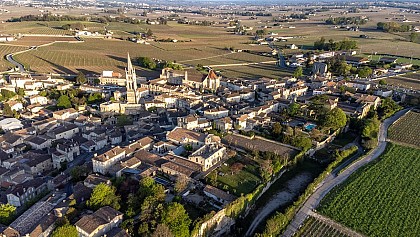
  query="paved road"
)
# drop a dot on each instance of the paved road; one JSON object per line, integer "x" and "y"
{"x": 9, "y": 58}
{"x": 331, "y": 180}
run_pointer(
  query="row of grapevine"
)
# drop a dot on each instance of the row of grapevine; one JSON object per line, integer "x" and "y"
{"x": 382, "y": 198}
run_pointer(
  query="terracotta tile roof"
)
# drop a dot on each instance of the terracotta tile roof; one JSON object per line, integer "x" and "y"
{"x": 109, "y": 154}
{"x": 149, "y": 158}
{"x": 179, "y": 134}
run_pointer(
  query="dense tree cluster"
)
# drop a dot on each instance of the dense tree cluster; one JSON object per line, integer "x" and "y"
{"x": 345, "y": 44}
{"x": 104, "y": 195}
{"x": 393, "y": 27}
{"x": 346, "y": 21}
{"x": 334, "y": 119}
{"x": 6, "y": 94}
{"x": 7, "y": 213}
{"x": 66, "y": 230}
{"x": 299, "y": 16}
{"x": 153, "y": 64}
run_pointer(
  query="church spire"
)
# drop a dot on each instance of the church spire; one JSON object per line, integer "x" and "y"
{"x": 130, "y": 66}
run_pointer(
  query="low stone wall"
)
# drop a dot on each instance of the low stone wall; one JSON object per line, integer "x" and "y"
{"x": 220, "y": 223}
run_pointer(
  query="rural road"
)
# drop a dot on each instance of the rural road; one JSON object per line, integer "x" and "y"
{"x": 331, "y": 180}
{"x": 9, "y": 58}
{"x": 241, "y": 64}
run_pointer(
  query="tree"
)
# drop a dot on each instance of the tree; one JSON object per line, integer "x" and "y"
{"x": 7, "y": 110}
{"x": 414, "y": 37}
{"x": 123, "y": 120}
{"x": 261, "y": 33}
{"x": 181, "y": 183}
{"x": 6, "y": 94}
{"x": 371, "y": 128}
{"x": 266, "y": 169}
{"x": 177, "y": 219}
{"x": 94, "y": 98}
{"x": 298, "y": 72}
{"x": 64, "y": 102}
{"x": 387, "y": 108}
{"x": 293, "y": 109}
{"x": 146, "y": 62}
{"x": 303, "y": 142}
{"x": 81, "y": 79}
{"x": 78, "y": 172}
{"x": 236, "y": 167}
{"x": 162, "y": 230}
{"x": 65, "y": 231}
{"x": 335, "y": 119}
{"x": 7, "y": 213}
{"x": 343, "y": 69}
{"x": 364, "y": 72}
{"x": 382, "y": 82}
{"x": 21, "y": 92}
{"x": 277, "y": 129}
{"x": 103, "y": 195}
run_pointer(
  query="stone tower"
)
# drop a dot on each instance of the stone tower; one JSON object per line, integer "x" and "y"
{"x": 131, "y": 82}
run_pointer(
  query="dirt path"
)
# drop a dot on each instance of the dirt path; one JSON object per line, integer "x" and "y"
{"x": 285, "y": 195}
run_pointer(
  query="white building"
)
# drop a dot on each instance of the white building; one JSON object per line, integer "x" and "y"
{"x": 102, "y": 163}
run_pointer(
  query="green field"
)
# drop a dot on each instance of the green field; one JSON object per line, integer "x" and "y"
{"x": 381, "y": 199}
{"x": 406, "y": 130}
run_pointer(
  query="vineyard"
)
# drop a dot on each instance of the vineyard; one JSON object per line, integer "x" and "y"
{"x": 111, "y": 55}
{"x": 4, "y": 50}
{"x": 381, "y": 199}
{"x": 406, "y": 130}
{"x": 314, "y": 227}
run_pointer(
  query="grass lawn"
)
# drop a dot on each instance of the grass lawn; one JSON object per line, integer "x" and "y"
{"x": 242, "y": 182}
{"x": 382, "y": 198}
{"x": 399, "y": 59}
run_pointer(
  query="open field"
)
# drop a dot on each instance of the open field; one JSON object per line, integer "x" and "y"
{"x": 407, "y": 129}
{"x": 254, "y": 71}
{"x": 403, "y": 81}
{"x": 111, "y": 55}
{"x": 4, "y": 50}
{"x": 40, "y": 40}
{"x": 201, "y": 44}
{"x": 382, "y": 198}
{"x": 315, "y": 227}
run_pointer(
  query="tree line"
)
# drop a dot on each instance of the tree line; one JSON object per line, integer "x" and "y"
{"x": 345, "y": 44}
{"x": 100, "y": 19}
{"x": 346, "y": 20}
{"x": 149, "y": 63}
{"x": 393, "y": 27}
